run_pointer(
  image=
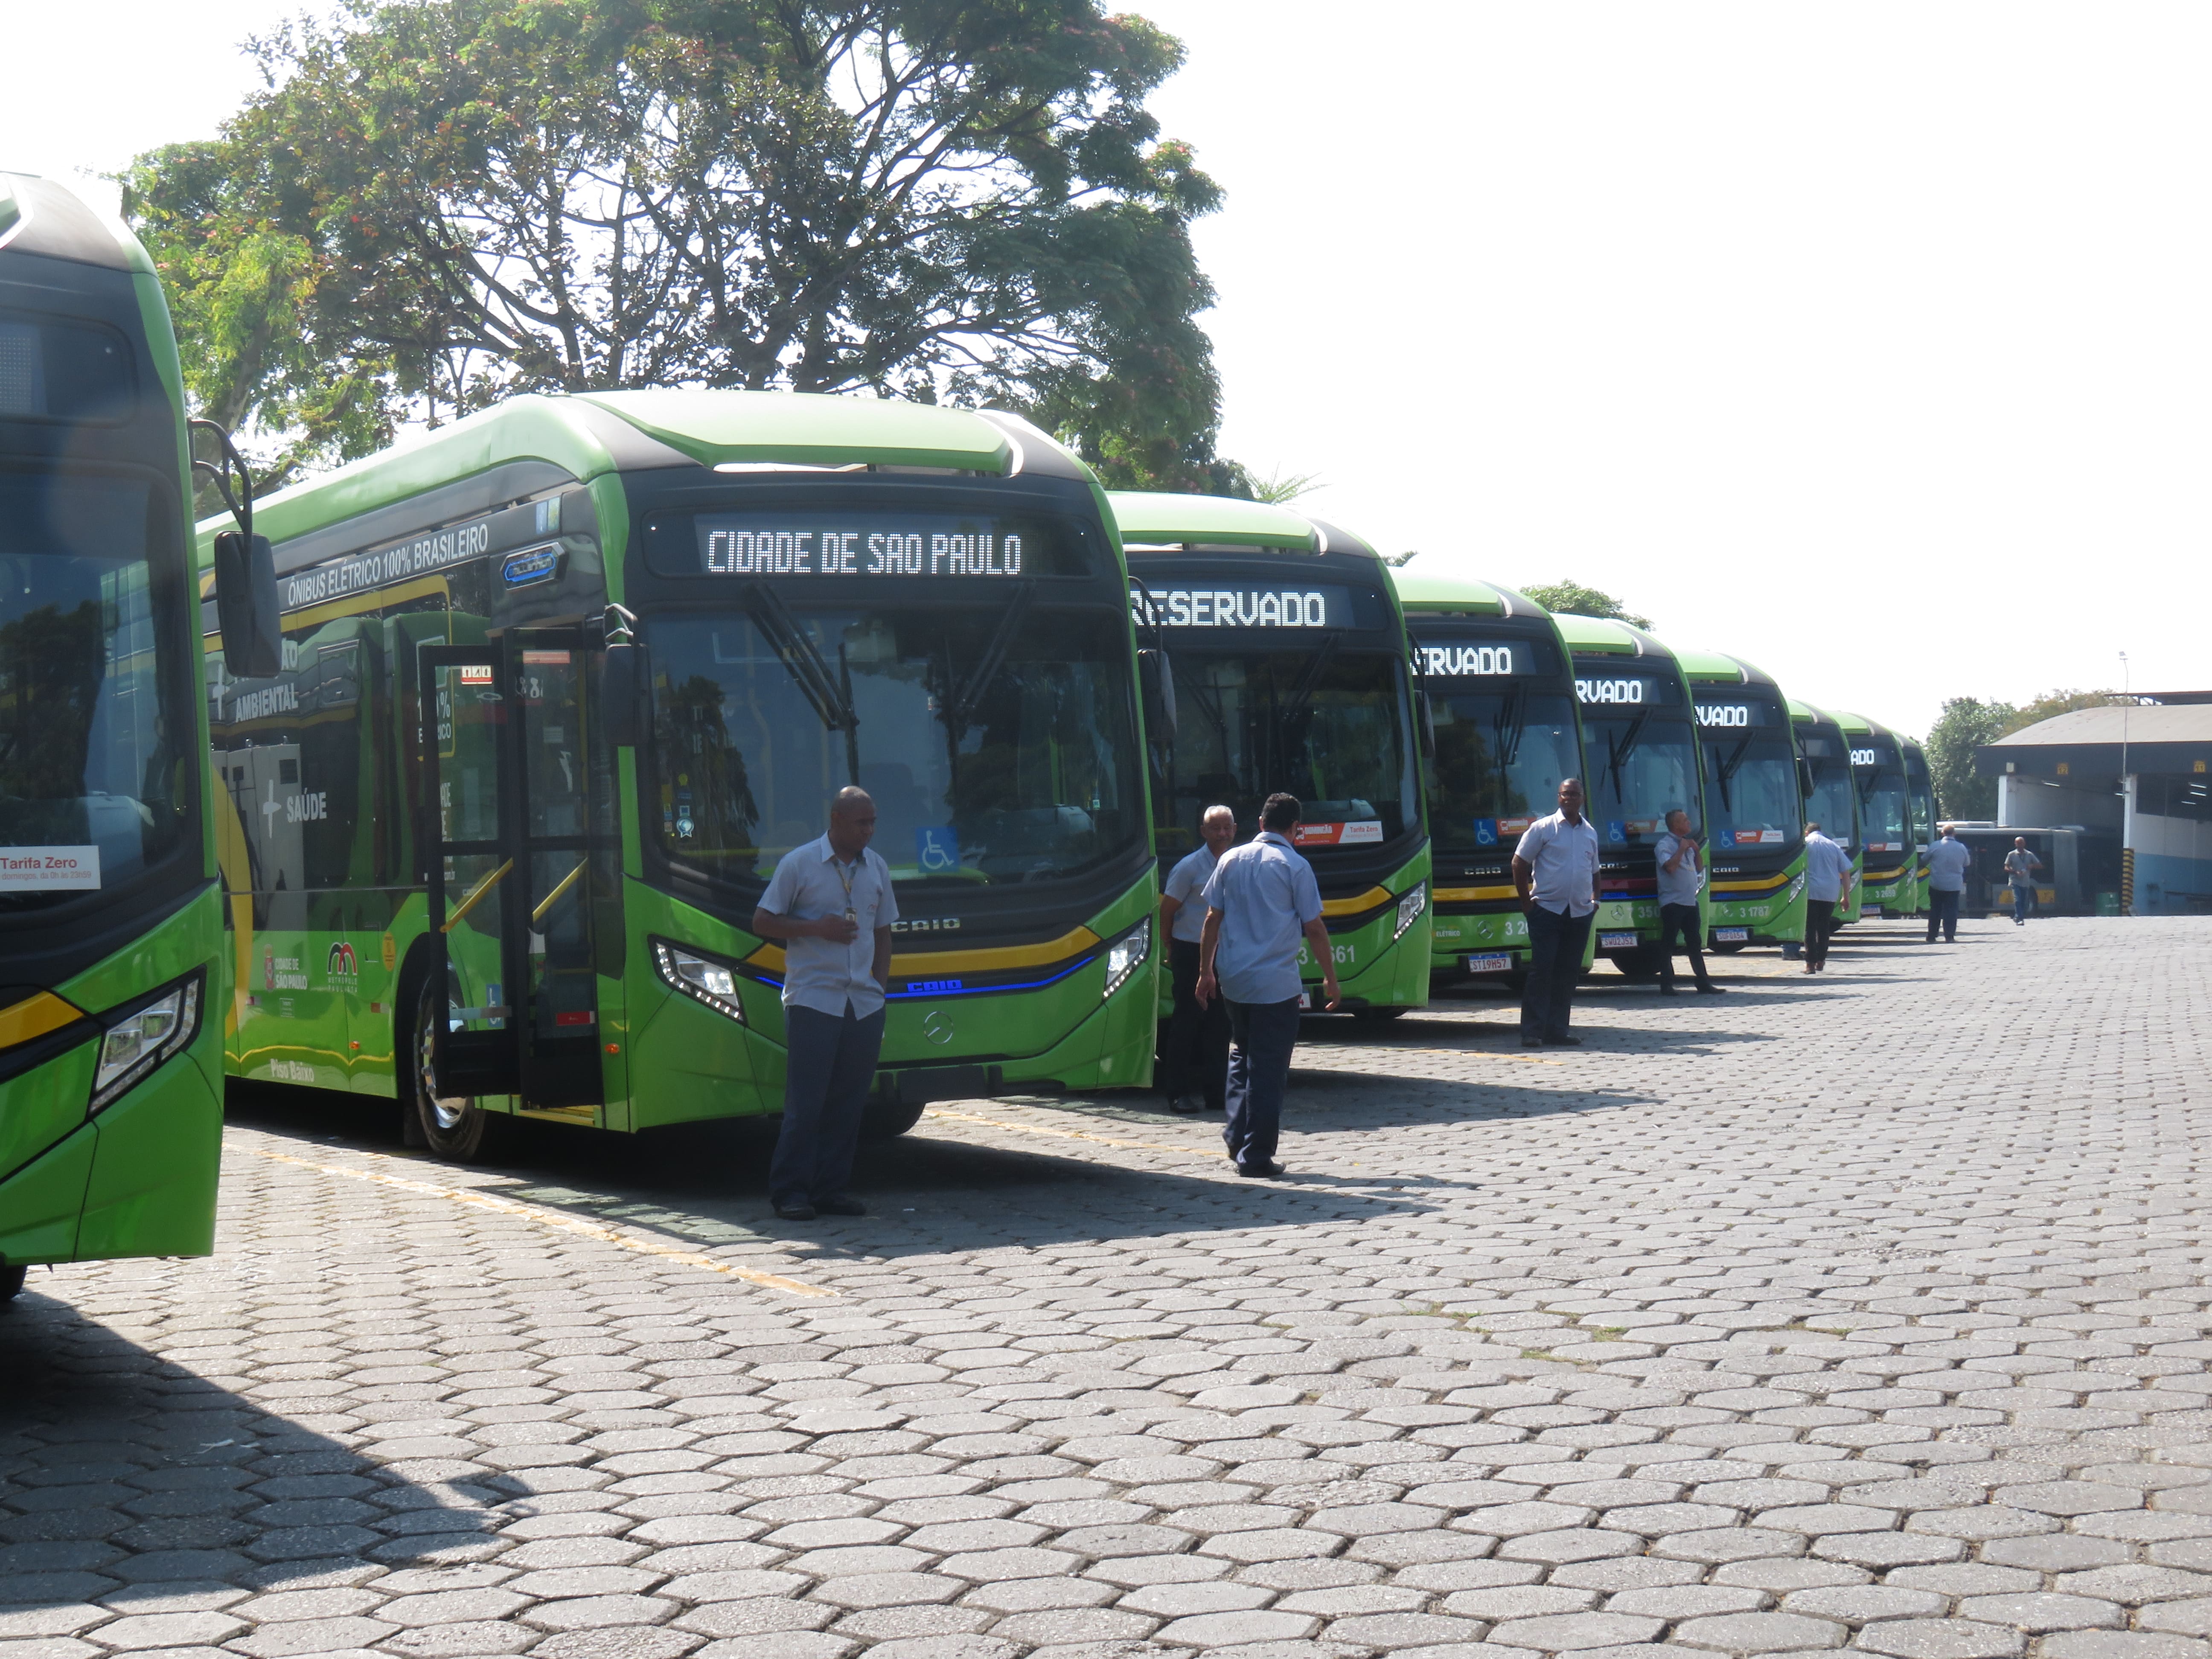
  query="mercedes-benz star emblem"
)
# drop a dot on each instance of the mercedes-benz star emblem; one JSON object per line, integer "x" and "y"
{"x": 937, "y": 1026}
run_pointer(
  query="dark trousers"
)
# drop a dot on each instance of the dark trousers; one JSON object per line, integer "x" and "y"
{"x": 1819, "y": 928}
{"x": 1259, "y": 1073}
{"x": 830, "y": 1062}
{"x": 1680, "y": 919}
{"x": 1555, "y": 963}
{"x": 1198, "y": 1038}
{"x": 2023, "y": 903}
{"x": 1943, "y": 912}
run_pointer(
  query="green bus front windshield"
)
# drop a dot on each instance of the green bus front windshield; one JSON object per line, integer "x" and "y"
{"x": 1501, "y": 753}
{"x": 97, "y": 741}
{"x": 1882, "y": 809}
{"x": 997, "y": 749}
{"x": 1643, "y": 765}
{"x": 1833, "y": 801}
{"x": 1249, "y": 723}
{"x": 1752, "y": 797}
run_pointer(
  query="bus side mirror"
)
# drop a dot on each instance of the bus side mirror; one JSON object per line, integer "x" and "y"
{"x": 246, "y": 605}
{"x": 1804, "y": 781}
{"x": 622, "y": 686}
{"x": 1159, "y": 683}
{"x": 1426, "y": 711}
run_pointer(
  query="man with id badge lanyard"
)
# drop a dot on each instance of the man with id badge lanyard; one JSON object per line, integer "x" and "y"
{"x": 831, "y": 905}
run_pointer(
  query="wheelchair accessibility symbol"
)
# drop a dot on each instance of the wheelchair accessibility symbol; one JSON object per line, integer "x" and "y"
{"x": 1486, "y": 832}
{"x": 936, "y": 851}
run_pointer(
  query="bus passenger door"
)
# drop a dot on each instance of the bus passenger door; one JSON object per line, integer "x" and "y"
{"x": 561, "y": 875}
{"x": 476, "y": 896}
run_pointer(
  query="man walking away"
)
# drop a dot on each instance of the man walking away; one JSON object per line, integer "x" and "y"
{"x": 2020, "y": 866}
{"x": 1949, "y": 862}
{"x": 1555, "y": 872}
{"x": 830, "y": 903}
{"x": 1261, "y": 899}
{"x": 1197, "y": 1070}
{"x": 1682, "y": 878}
{"x": 1827, "y": 882}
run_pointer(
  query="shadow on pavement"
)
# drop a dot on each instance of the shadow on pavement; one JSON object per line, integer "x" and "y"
{"x": 124, "y": 1479}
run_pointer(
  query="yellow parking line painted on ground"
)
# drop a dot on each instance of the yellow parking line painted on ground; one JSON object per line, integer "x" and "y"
{"x": 552, "y": 1218}
{"x": 1463, "y": 1054}
{"x": 1067, "y": 1134}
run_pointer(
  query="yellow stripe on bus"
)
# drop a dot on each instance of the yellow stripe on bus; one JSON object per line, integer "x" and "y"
{"x": 1368, "y": 900}
{"x": 905, "y": 964}
{"x": 1465, "y": 895}
{"x": 35, "y": 1015}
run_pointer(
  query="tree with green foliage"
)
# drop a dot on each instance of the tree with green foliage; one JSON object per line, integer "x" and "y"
{"x": 1578, "y": 600}
{"x": 434, "y": 206}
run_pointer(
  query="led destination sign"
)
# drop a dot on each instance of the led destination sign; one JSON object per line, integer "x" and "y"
{"x": 1242, "y": 604}
{"x": 1626, "y": 690}
{"x": 1474, "y": 661}
{"x": 1737, "y": 717}
{"x": 862, "y": 543}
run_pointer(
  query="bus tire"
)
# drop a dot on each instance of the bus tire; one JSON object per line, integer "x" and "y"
{"x": 452, "y": 1127}
{"x": 887, "y": 1120}
{"x": 1376, "y": 1016}
{"x": 1641, "y": 963}
{"x": 11, "y": 1283}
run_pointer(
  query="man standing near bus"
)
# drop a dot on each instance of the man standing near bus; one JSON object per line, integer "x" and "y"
{"x": 1198, "y": 1036}
{"x": 2020, "y": 866}
{"x": 1261, "y": 899}
{"x": 1555, "y": 872}
{"x": 1948, "y": 861}
{"x": 1827, "y": 883}
{"x": 1682, "y": 878}
{"x": 830, "y": 903}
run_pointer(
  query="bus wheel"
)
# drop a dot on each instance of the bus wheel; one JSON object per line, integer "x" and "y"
{"x": 887, "y": 1120}
{"x": 11, "y": 1283}
{"x": 1641, "y": 963}
{"x": 1727, "y": 947}
{"x": 453, "y": 1126}
{"x": 1377, "y": 1016}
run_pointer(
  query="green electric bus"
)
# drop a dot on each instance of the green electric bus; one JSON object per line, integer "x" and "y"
{"x": 1493, "y": 671}
{"x": 1287, "y": 654}
{"x": 1640, "y": 742}
{"x": 1890, "y": 885}
{"x": 1831, "y": 791}
{"x": 1755, "y": 850}
{"x": 1921, "y": 801}
{"x": 563, "y": 681}
{"x": 111, "y": 937}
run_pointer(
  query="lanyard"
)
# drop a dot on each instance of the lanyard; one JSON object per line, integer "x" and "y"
{"x": 845, "y": 873}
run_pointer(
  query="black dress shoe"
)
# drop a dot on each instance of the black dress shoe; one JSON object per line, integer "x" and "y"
{"x": 1186, "y": 1105}
{"x": 1532, "y": 1043}
{"x": 1260, "y": 1171}
{"x": 795, "y": 1212}
{"x": 1562, "y": 1042}
{"x": 841, "y": 1204}
{"x": 1668, "y": 991}
{"x": 1709, "y": 989}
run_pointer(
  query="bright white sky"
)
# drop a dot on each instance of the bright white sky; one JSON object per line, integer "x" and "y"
{"x": 1869, "y": 342}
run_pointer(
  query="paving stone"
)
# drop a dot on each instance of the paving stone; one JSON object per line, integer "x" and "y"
{"x": 1940, "y": 1638}
{"x": 1760, "y": 1633}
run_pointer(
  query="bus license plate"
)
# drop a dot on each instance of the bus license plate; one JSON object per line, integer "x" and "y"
{"x": 1616, "y": 941}
{"x": 1733, "y": 935}
{"x": 1498, "y": 962}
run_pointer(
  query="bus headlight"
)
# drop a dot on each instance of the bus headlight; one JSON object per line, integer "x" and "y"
{"x": 1126, "y": 954}
{"x": 701, "y": 978}
{"x": 1410, "y": 909}
{"x": 141, "y": 1038}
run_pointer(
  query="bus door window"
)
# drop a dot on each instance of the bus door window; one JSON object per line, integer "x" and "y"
{"x": 473, "y": 892}
{"x": 561, "y": 979}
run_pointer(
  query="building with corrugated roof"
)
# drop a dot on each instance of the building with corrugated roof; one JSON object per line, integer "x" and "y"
{"x": 2140, "y": 768}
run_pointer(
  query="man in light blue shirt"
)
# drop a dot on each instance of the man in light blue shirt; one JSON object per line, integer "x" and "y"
{"x": 1681, "y": 864}
{"x": 1261, "y": 900}
{"x": 1555, "y": 872}
{"x": 1195, "y": 1072}
{"x": 830, "y": 903}
{"x": 1948, "y": 861}
{"x": 1827, "y": 883}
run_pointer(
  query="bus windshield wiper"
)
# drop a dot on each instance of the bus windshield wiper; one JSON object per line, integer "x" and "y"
{"x": 1309, "y": 681}
{"x": 987, "y": 667}
{"x": 1727, "y": 771}
{"x": 1511, "y": 726}
{"x": 804, "y": 662}
{"x": 1617, "y": 751}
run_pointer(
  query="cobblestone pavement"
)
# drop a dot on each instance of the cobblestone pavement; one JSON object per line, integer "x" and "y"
{"x": 1863, "y": 1312}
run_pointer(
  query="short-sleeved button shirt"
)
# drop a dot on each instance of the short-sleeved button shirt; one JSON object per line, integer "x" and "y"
{"x": 1266, "y": 893}
{"x": 1949, "y": 860}
{"x": 1564, "y": 857}
{"x": 809, "y": 885}
{"x": 2019, "y": 867}
{"x": 1827, "y": 867}
{"x": 1682, "y": 885}
{"x": 1187, "y": 887}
